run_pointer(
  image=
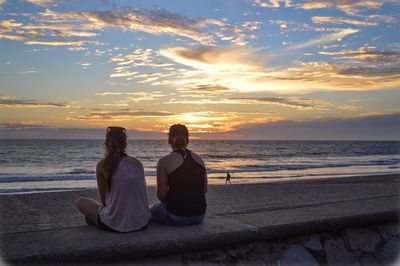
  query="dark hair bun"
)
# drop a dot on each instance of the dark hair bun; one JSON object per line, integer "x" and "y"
{"x": 179, "y": 142}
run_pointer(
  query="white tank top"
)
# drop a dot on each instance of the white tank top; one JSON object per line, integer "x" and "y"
{"x": 127, "y": 208}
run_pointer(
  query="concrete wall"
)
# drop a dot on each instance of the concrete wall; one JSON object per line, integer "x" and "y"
{"x": 374, "y": 245}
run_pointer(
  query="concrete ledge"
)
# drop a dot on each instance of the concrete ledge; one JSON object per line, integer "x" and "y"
{"x": 84, "y": 244}
{"x": 243, "y": 221}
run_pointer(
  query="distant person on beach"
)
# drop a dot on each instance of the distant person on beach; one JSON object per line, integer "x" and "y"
{"x": 181, "y": 183}
{"x": 122, "y": 188}
{"x": 228, "y": 178}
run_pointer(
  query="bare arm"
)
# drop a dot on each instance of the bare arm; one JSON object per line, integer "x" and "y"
{"x": 162, "y": 182}
{"x": 101, "y": 182}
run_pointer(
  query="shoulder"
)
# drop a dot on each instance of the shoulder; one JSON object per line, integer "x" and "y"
{"x": 173, "y": 156}
{"x": 133, "y": 160}
{"x": 99, "y": 165}
{"x": 198, "y": 159}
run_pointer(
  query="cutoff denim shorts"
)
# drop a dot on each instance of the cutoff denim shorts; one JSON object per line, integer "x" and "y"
{"x": 160, "y": 215}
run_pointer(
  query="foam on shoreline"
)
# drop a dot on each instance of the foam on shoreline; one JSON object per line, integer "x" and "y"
{"x": 54, "y": 186}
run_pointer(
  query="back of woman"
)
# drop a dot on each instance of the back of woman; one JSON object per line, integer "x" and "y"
{"x": 122, "y": 188}
{"x": 181, "y": 183}
{"x": 128, "y": 193}
{"x": 186, "y": 195}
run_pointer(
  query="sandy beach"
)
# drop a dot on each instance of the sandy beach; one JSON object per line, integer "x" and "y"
{"x": 236, "y": 213}
{"x": 49, "y": 210}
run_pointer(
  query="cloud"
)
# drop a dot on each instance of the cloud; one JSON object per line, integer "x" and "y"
{"x": 51, "y": 24}
{"x": 28, "y": 72}
{"x": 371, "y": 127}
{"x": 45, "y": 33}
{"x": 17, "y": 126}
{"x": 289, "y": 25}
{"x": 207, "y": 87}
{"x": 213, "y": 122}
{"x": 293, "y": 102}
{"x": 118, "y": 115}
{"x": 155, "y": 22}
{"x": 11, "y": 102}
{"x": 382, "y": 18}
{"x": 391, "y": 74}
{"x": 216, "y": 58}
{"x": 251, "y": 25}
{"x": 138, "y": 57}
{"x": 337, "y": 36}
{"x": 368, "y": 127}
{"x": 132, "y": 97}
{"x": 367, "y": 55}
{"x": 341, "y": 76}
{"x": 236, "y": 68}
{"x": 55, "y": 42}
{"x": 273, "y": 3}
{"x": 37, "y": 130}
{"x": 350, "y": 7}
{"x": 244, "y": 70}
{"x": 341, "y": 20}
{"x": 12, "y": 30}
{"x": 41, "y": 2}
{"x": 127, "y": 66}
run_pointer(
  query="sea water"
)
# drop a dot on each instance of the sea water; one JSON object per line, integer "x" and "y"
{"x": 43, "y": 165}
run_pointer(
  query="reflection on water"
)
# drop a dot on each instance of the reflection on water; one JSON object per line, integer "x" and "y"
{"x": 56, "y": 164}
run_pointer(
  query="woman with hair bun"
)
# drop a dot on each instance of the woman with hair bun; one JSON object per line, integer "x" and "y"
{"x": 122, "y": 188}
{"x": 181, "y": 183}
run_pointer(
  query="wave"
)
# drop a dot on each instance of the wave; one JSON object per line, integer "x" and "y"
{"x": 21, "y": 178}
{"x": 79, "y": 171}
{"x": 393, "y": 164}
{"x": 30, "y": 190}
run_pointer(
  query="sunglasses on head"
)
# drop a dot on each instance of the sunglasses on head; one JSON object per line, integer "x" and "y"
{"x": 116, "y": 128}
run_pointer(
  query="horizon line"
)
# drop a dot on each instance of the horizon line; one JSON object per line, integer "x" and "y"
{"x": 196, "y": 139}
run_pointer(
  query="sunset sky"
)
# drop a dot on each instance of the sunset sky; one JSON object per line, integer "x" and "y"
{"x": 312, "y": 69}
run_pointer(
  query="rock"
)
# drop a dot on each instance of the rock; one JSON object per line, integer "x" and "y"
{"x": 313, "y": 243}
{"x": 238, "y": 252}
{"x": 297, "y": 255}
{"x": 390, "y": 251}
{"x": 337, "y": 254}
{"x": 389, "y": 230}
{"x": 272, "y": 257}
{"x": 258, "y": 251}
{"x": 246, "y": 262}
{"x": 368, "y": 260}
{"x": 163, "y": 260}
{"x": 364, "y": 239}
{"x": 216, "y": 256}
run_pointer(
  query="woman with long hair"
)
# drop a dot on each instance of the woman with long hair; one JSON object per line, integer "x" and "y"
{"x": 122, "y": 188}
{"x": 181, "y": 183}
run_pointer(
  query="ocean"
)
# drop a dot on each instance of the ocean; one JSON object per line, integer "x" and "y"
{"x": 28, "y": 166}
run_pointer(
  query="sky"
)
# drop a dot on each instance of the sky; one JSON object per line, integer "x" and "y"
{"x": 252, "y": 69}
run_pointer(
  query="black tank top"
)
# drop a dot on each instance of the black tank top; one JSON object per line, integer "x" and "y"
{"x": 185, "y": 195}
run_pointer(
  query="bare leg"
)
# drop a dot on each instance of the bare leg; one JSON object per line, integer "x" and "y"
{"x": 88, "y": 207}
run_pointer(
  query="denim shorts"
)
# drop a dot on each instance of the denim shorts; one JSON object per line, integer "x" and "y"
{"x": 160, "y": 215}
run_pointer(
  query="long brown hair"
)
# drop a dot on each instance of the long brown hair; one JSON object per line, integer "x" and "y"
{"x": 114, "y": 150}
